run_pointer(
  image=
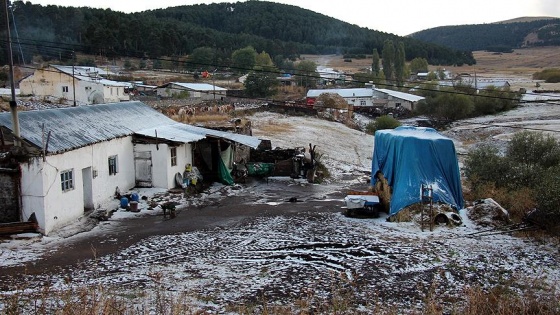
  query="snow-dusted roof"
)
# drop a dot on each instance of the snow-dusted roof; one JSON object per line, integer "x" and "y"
{"x": 82, "y": 70}
{"x": 346, "y": 93}
{"x": 4, "y": 91}
{"x": 75, "y": 127}
{"x": 188, "y": 133}
{"x": 90, "y": 74}
{"x": 329, "y": 73}
{"x": 401, "y": 95}
{"x": 365, "y": 92}
{"x": 202, "y": 87}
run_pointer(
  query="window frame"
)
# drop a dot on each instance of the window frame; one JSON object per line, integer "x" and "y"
{"x": 113, "y": 163}
{"x": 65, "y": 89}
{"x": 67, "y": 180}
{"x": 173, "y": 156}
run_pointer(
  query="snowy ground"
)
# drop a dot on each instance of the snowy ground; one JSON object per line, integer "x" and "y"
{"x": 311, "y": 252}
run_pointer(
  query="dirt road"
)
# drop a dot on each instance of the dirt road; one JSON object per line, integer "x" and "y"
{"x": 258, "y": 198}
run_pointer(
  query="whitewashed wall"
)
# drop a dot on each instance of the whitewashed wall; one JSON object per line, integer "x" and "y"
{"x": 114, "y": 94}
{"x": 49, "y": 83}
{"x": 41, "y": 183}
{"x": 163, "y": 174}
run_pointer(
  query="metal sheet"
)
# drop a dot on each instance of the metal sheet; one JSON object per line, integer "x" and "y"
{"x": 75, "y": 127}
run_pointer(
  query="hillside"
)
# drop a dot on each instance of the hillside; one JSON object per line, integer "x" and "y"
{"x": 500, "y": 37}
{"x": 55, "y": 32}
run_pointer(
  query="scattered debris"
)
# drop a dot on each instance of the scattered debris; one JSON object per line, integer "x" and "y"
{"x": 487, "y": 212}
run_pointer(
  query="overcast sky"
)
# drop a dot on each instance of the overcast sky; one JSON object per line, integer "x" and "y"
{"x": 401, "y": 17}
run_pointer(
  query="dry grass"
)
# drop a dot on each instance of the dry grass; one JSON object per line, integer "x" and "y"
{"x": 202, "y": 118}
{"x": 501, "y": 300}
{"x": 522, "y": 63}
{"x": 338, "y": 63}
{"x": 272, "y": 127}
{"x": 532, "y": 296}
{"x": 517, "y": 202}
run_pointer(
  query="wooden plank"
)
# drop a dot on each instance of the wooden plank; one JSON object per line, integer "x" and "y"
{"x": 18, "y": 227}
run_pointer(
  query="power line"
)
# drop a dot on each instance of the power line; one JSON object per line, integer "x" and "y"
{"x": 54, "y": 48}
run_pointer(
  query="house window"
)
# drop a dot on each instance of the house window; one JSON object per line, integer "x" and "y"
{"x": 397, "y": 105}
{"x": 64, "y": 89}
{"x": 173, "y": 156}
{"x": 113, "y": 169}
{"x": 67, "y": 180}
{"x": 362, "y": 103}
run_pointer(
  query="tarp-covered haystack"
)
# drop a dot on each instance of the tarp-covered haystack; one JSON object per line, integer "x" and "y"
{"x": 409, "y": 157}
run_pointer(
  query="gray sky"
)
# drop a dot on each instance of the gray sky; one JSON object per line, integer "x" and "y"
{"x": 400, "y": 17}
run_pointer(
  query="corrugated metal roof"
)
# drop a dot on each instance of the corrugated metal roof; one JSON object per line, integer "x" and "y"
{"x": 90, "y": 74}
{"x": 189, "y": 133}
{"x": 402, "y": 95}
{"x": 365, "y": 92}
{"x": 250, "y": 141}
{"x": 203, "y": 87}
{"x": 346, "y": 93}
{"x": 75, "y": 127}
{"x": 82, "y": 70}
{"x": 174, "y": 132}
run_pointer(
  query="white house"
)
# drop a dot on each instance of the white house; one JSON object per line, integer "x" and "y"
{"x": 329, "y": 75}
{"x": 369, "y": 97}
{"x": 202, "y": 91}
{"x": 85, "y": 85}
{"x": 79, "y": 155}
{"x": 395, "y": 99}
{"x": 356, "y": 97}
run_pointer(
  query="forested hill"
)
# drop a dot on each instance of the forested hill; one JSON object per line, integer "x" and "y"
{"x": 501, "y": 36}
{"x": 278, "y": 29}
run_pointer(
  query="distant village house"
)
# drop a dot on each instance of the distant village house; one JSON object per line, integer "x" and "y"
{"x": 84, "y": 85}
{"x": 369, "y": 97}
{"x": 199, "y": 91}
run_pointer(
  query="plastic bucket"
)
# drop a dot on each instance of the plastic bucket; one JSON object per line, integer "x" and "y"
{"x": 124, "y": 202}
{"x": 134, "y": 206}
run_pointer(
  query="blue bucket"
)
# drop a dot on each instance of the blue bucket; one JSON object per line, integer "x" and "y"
{"x": 124, "y": 202}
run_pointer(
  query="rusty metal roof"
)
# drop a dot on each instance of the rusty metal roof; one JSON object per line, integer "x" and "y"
{"x": 75, "y": 127}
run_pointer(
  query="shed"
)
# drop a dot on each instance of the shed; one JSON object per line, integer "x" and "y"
{"x": 409, "y": 157}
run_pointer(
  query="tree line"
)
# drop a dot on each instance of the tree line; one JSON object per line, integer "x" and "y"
{"x": 499, "y": 37}
{"x": 56, "y": 32}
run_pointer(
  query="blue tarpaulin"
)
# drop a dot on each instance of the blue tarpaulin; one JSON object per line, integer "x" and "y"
{"x": 410, "y": 157}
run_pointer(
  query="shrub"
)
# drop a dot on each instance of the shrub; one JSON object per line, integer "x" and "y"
{"x": 484, "y": 164}
{"x": 547, "y": 74}
{"x": 548, "y": 196}
{"x": 382, "y": 122}
{"x": 527, "y": 176}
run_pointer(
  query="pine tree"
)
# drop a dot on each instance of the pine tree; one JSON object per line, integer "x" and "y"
{"x": 375, "y": 62}
{"x": 388, "y": 57}
{"x": 400, "y": 64}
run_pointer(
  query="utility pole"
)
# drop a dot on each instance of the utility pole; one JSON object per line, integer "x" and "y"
{"x": 214, "y": 84}
{"x": 13, "y": 103}
{"x": 17, "y": 35}
{"x": 73, "y": 78}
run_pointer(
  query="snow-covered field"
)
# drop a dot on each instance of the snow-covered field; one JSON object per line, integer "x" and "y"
{"x": 312, "y": 252}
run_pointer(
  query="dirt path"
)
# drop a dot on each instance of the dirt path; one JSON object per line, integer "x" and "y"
{"x": 258, "y": 199}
